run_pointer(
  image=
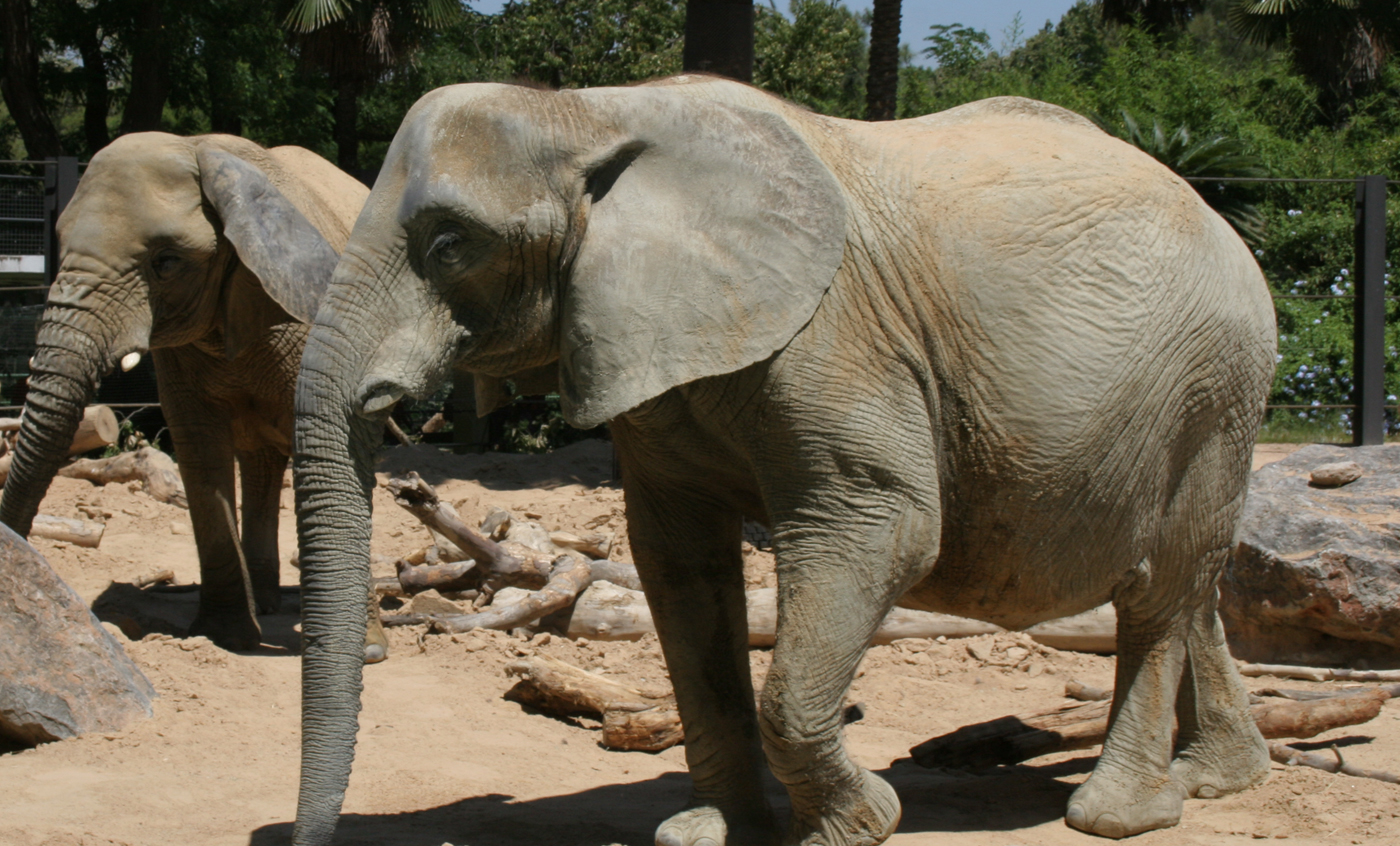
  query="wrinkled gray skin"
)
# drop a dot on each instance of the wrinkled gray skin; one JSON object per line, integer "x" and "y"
{"x": 212, "y": 253}
{"x": 992, "y": 362}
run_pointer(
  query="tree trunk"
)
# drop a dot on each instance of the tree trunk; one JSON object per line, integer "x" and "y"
{"x": 882, "y": 85}
{"x": 347, "y": 130}
{"x": 19, "y": 82}
{"x": 145, "y": 103}
{"x": 719, "y": 38}
{"x": 96, "y": 100}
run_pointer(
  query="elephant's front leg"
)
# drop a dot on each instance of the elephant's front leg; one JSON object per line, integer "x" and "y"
{"x": 261, "y": 472}
{"x": 835, "y": 586}
{"x": 204, "y": 449}
{"x": 687, "y": 553}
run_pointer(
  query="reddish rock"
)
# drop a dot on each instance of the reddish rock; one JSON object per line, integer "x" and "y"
{"x": 61, "y": 673}
{"x": 1315, "y": 578}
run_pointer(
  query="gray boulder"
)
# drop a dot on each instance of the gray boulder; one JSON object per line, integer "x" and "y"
{"x": 1315, "y": 578}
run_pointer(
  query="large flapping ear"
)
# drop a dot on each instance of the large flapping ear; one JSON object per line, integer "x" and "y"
{"x": 712, "y": 232}
{"x": 275, "y": 241}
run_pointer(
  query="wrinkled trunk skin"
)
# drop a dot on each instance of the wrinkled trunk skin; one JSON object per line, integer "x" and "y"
{"x": 332, "y": 463}
{"x": 62, "y": 381}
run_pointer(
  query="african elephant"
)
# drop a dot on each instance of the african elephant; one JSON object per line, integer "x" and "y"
{"x": 992, "y": 362}
{"x": 212, "y": 253}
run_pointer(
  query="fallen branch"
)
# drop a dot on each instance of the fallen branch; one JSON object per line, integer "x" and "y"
{"x": 1086, "y": 693}
{"x": 1010, "y": 740}
{"x": 1291, "y": 757}
{"x": 1319, "y": 674}
{"x": 1309, "y": 695}
{"x": 147, "y": 464}
{"x": 154, "y": 578}
{"x": 570, "y": 576}
{"x": 76, "y": 532}
{"x": 398, "y": 434}
{"x": 499, "y": 567}
{"x": 632, "y": 720}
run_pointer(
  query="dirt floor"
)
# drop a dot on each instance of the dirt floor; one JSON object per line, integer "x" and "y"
{"x": 442, "y": 758}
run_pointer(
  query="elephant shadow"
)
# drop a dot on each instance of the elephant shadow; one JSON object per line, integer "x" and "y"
{"x": 588, "y": 463}
{"x": 139, "y": 612}
{"x": 1005, "y": 799}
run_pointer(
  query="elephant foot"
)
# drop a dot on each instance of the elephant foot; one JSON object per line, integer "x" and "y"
{"x": 1232, "y": 760}
{"x": 706, "y": 826}
{"x": 864, "y": 813}
{"x": 1116, "y": 803}
{"x": 267, "y": 600}
{"x": 235, "y": 631}
{"x": 376, "y": 645}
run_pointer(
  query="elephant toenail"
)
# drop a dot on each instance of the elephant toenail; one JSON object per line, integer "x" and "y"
{"x": 374, "y": 653}
{"x": 1108, "y": 825}
{"x": 1207, "y": 791}
{"x": 1075, "y": 817}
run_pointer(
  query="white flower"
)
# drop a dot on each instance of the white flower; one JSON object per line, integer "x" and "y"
{"x": 1344, "y": 272}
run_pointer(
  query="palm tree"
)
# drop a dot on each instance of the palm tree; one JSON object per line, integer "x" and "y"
{"x": 719, "y": 38}
{"x": 882, "y": 85}
{"x": 1340, "y": 45}
{"x": 1155, "y": 15}
{"x": 1218, "y": 157}
{"x": 355, "y": 42}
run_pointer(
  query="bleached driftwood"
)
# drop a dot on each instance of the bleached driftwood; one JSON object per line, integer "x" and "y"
{"x": 632, "y": 720}
{"x": 1393, "y": 690}
{"x": 1290, "y": 757}
{"x": 76, "y": 532}
{"x": 98, "y": 428}
{"x": 608, "y": 612}
{"x": 155, "y": 578}
{"x": 568, "y": 578}
{"x": 147, "y": 465}
{"x": 1010, "y": 740}
{"x": 1319, "y": 674}
{"x": 1086, "y": 693}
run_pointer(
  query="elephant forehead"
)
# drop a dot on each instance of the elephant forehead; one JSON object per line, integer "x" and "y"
{"x": 141, "y": 187}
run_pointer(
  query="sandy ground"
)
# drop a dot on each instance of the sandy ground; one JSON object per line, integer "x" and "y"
{"x": 442, "y": 758}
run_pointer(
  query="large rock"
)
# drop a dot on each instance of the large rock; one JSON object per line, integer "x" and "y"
{"x": 1315, "y": 578}
{"x": 61, "y": 673}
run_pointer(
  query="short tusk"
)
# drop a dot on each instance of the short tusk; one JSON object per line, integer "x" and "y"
{"x": 130, "y": 360}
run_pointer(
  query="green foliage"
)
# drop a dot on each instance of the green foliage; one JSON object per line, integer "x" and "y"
{"x": 817, "y": 59}
{"x": 956, "y": 47}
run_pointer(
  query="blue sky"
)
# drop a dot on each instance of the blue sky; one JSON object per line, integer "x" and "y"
{"x": 992, "y": 16}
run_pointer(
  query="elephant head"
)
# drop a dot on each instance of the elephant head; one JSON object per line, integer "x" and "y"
{"x": 628, "y": 240}
{"x": 167, "y": 241}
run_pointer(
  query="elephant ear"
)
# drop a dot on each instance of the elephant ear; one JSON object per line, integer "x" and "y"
{"x": 288, "y": 256}
{"x": 712, "y": 232}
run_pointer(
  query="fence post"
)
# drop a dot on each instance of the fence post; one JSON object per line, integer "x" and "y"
{"x": 1368, "y": 429}
{"x": 60, "y": 181}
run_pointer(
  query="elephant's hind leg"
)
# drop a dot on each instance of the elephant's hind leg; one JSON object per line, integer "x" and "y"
{"x": 1219, "y": 748}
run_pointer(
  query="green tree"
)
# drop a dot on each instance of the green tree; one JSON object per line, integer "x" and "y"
{"x": 579, "y": 43}
{"x": 1158, "y": 16}
{"x": 817, "y": 59}
{"x": 957, "y": 47}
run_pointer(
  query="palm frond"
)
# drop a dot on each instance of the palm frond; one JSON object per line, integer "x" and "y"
{"x": 311, "y": 15}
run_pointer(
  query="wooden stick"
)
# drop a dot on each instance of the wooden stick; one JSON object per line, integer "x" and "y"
{"x": 501, "y": 569}
{"x": 569, "y": 577}
{"x": 154, "y": 578}
{"x": 97, "y": 429}
{"x": 1319, "y": 674}
{"x": 1309, "y": 695}
{"x": 1291, "y": 757}
{"x": 9, "y": 424}
{"x": 559, "y": 688}
{"x": 1010, "y": 740}
{"x": 1086, "y": 693}
{"x": 147, "y": 464}
{"x": 76, "y": 532}
{"x": 396, "y": 431}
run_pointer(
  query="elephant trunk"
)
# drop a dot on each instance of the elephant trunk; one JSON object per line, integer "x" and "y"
{"x": 333, "y": 455}
{"x": 63, "y": 379}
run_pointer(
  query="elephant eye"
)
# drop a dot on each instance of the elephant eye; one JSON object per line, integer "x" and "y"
{"x": 453, "y": 247}
{"x": 165, "y": 262}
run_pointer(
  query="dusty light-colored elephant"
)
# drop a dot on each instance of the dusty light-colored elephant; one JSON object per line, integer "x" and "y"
{"x": 212, "y": 253}
{"x": 991, "y": 362}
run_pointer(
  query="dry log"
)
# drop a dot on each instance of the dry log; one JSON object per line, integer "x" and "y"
{"x": 1086, "y": 693}
{"x": 97, "y": 429}
{"x": 387, "y": 586}
{"x": 397, "y": 432}
{"x": 64, "y": 675}
{"x": 609, "y": 612}
{"x": 434, "y": 424}
{"x": 147, "y": 464}
{"x": 1393, "y": 690}
{"x": 76, "y": 532}
{"x": 643, "y": 731}
{"x": 454, "y": 575}
{"x": 592, "y": 545}
{"x": 1290, "y": 757}
{"x": 1319, "y": 674}
{"x": 9, "y": 424}
{"x": 559, "y": 688}
{"x": 569, "y": 577}
{"x": 154, "y": 578}
{"x": 499, "y": 567}
{"x": 1010, "y": 740}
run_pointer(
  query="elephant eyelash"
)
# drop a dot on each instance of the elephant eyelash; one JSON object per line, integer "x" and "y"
{"x": 163, "y": 263}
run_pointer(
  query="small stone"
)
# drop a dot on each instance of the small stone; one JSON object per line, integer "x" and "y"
{"x": 978, "y": 652}
{"x": 533, "y": 515}
{"x": 178, "y": 528}
{"x": 1021, "y": 686}
{"x": 1016, "y": 654}
{"x": 1335, "y": 475}
{"x": 432, "y": 602}
{"x": 542, "y": 638}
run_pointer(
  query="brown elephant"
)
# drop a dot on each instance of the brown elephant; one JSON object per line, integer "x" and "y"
{"x": 212, "y": 253}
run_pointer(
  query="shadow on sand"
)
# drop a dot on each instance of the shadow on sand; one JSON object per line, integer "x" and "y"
{"x": 1007, "y": 799}
{"x": 139, "y": 612}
